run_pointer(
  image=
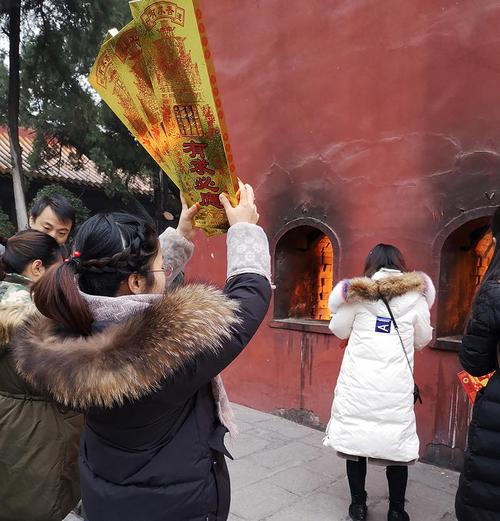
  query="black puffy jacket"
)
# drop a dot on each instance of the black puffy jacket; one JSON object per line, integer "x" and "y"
{"x": 478, "y": 496}
{"x": 152, "y": 448}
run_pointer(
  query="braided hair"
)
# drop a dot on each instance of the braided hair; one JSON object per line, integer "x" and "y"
{"x": 108, "y": 248}
{"x": 125, "y": 244}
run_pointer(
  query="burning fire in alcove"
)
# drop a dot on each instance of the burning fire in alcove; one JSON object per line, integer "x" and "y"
{"x": 322, "y": 279}
{"x": 304, "y": 274}
{"x": 484, "y": 253}
{"x": 465, "y": 258}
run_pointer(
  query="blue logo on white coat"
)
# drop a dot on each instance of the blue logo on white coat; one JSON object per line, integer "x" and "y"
{"x": 383, "y": 325}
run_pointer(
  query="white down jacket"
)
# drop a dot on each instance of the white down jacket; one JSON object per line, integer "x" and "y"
{"x": 372, "y": 412}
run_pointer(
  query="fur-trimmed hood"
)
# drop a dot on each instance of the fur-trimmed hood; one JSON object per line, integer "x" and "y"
{"x": 390, "y": 285}
{"x": 15, "y": 307}
{"x": 11, "y": 317}
{"x": 128, "y": 359}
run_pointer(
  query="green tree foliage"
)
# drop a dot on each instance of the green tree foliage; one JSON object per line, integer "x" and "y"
{"x": 60, "y": 42}
{"x": 7, "y": 229}
{"x": 59, "y": 50}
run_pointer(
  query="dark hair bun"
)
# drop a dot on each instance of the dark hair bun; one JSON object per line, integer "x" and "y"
{"x": 25, "y": 247}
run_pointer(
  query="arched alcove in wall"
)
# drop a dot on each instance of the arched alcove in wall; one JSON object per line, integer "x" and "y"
{"x": 305, "y": 264}
{"x": 464, "y": 259}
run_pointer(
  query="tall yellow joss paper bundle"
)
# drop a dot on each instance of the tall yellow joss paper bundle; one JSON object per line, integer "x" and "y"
{"x": 157, "y": 76}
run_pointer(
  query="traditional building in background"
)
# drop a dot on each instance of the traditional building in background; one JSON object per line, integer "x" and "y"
{"x": 80, "y": 176}
{"x": 358, "y": 123}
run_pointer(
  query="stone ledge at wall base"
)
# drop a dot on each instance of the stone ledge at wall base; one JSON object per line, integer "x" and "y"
{"x": 443, "y": 456}
{"x": 302, "y": 417}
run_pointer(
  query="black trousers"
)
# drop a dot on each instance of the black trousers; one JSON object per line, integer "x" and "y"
{"x": 397, "y": 477}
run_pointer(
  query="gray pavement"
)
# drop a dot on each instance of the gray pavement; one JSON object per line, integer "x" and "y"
{"x": 281, "y": 472}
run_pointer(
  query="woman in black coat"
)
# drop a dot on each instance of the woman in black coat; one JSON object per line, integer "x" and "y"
{"x": 144, "y": 364}
{"x": 478, "y": 496}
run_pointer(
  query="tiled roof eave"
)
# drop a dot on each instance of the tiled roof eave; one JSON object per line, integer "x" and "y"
{"x": 61, "y": 169}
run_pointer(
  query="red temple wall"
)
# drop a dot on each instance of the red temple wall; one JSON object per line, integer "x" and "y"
{"x": 380, "y": 120}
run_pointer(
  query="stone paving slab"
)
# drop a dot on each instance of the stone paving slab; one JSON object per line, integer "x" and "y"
{"x": 300, "y": 480}
{"x": 288, "y": 455}
{"x": 281, "y": 472}
{"x": 260, "y": 500}
{"x": 72, "y": 517}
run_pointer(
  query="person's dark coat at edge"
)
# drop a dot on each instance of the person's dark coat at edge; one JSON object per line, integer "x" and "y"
{"x": 478, "y": 495}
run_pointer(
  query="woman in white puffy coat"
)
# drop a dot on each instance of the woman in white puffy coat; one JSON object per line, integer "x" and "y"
{"x": 373, "y": 416}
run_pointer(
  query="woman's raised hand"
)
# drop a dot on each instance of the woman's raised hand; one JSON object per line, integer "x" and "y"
{"x": 185, "y": 226}
{"x": 246, "y": 211}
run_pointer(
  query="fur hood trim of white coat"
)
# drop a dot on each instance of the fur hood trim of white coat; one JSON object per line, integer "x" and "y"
{"x": 365, "y": 289}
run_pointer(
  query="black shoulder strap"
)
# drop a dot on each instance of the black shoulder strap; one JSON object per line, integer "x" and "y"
{"x": 416, "y": 390}
{"x": 384, "y": 300}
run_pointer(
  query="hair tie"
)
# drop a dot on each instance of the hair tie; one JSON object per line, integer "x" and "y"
{"x": 74, "y": 258}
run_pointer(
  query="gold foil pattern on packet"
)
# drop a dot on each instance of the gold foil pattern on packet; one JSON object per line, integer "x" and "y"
{"x": 156, "y": 74}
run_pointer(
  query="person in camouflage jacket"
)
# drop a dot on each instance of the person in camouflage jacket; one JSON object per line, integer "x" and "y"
{"x": 39, "y": 440}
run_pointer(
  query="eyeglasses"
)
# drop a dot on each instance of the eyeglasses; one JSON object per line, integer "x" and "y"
{"x": 167, "y": 271}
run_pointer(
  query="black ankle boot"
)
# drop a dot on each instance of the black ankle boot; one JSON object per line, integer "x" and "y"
{"x": 397, "y": 515}
{"x": 357, "y": 509}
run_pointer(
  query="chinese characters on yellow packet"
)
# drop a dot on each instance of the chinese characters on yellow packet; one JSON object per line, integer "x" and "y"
{"x": 157, "y": 76}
